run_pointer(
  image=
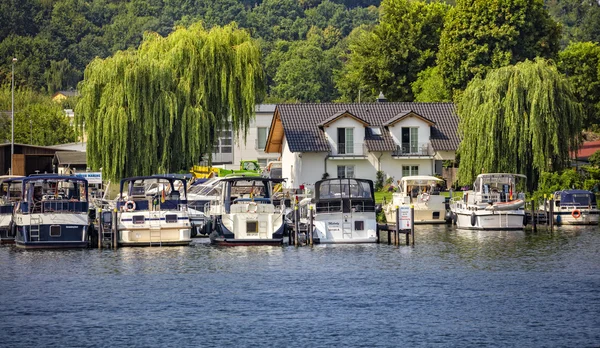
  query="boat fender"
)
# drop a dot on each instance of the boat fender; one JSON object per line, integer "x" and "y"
{"x": 454, "y": 218}
{"x": 473, "y": 219}
{"x": 558, "y": 219}
{"x": 425, "y": 197}
{"x": 576, "y": 213}
{"x": 525, "y": 220}
{"x": 129, "y": 206}
{"x": 252, "y": 204}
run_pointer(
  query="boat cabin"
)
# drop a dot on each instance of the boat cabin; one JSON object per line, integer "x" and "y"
{"x": 158, "y": 192}
{"x": 575, "y": 199}
{"x": 53, "y": 194}
{"x": 497, "y": 187}
{"x": 242, "y": 190}
{"x": 344, "y": 196}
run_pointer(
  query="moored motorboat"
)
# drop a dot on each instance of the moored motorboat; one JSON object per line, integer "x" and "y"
{"x": 574, "y": 207}
{"x": 420, "y": 191}
{"x": 245, "y": 213}
{"x": 11, "y": 195}
{"x": 52, "y": 212}
{"x": 343, "y": 211}
{"x": 153, "y": 211}
{"x": 493, "y": 204}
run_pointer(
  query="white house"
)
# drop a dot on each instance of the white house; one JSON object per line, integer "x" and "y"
{"x": 357, "y": 140}
{"x": 229, "y": 150}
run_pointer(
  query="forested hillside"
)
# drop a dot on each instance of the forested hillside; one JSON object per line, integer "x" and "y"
{"x": 313, "y": 50}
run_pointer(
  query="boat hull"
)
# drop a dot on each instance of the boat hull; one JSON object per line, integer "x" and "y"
{"x": 490, "y": 220}
{"x": 345, "y": 228}
{"x": 586, "y": 217}
{"x": 154, "y": 228}
{"x": 422, "y": 217}
{"x": 245, "y": 242}
{"x": 51, "y": 231}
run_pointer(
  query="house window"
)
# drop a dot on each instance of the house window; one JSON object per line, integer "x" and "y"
{"x": 410, "y": 139}
{"x": 262, "y": 162}
{"x": 345, "y": 172}
{"x": 224, "y": 143}
{"x": 345, "y": 141}
{"x": 261, "y": 137}
{"x": 410, "y": 170}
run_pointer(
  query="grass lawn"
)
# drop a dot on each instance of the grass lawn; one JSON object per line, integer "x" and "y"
{"x": 380, "y": 195}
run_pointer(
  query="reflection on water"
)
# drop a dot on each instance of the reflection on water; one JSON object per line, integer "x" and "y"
{"x": 454, "y": 288}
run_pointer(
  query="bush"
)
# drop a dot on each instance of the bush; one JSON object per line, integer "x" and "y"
{"x": 380, "y": 176}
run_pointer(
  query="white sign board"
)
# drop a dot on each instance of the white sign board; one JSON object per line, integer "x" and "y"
{"x": 405, "y": 221}
{"x": 91, "y": 177}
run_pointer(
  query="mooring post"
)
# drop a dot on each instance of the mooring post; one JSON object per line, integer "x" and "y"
{"x": 115, "y": 229}
{"x": 551, "y": 212}
{"x": 397, "y": 233}
{"x": 310, "y": 225}
{"x": 546, "y": 210}
{"x": 533, "y": 215}
{"x": 100, "y": 230}
{"x": 412, "y": 225}
{"x": 296, "y": 224}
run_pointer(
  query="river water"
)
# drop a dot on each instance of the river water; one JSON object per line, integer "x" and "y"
{"x": 453, "y": 289}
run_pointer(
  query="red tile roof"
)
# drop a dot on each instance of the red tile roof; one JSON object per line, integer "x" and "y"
{"x": 588, "y": 148}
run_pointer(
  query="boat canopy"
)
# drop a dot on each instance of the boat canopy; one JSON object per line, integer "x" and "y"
{"x": 418, "y": 181}
{"x": 150, "y": 185}
{"x": 344, "y": 188}
{"x": 488, "y": 181}
{"x": 575, "y": 197}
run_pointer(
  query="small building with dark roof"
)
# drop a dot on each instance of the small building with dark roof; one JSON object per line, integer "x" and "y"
{"x": 359, "y": 139}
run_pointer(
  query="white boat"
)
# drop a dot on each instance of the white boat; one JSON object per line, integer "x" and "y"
{"x": 493, "y": 204}
{"x": 421, "y": 192}
{"x": 343, "y": 211}
{"x": 245, "y": 213}
{"x": 574, "y": 207}
{"x": 11, "y": 195}
{"x": 153, "y": 211}
{"x": 52, "y": 212}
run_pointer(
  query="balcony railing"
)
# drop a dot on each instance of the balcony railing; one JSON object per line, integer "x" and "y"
{"x": 349, "y": 150}
{"x": 421, "y": 149}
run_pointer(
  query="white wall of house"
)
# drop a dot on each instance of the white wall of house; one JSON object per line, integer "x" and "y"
{"x": 346, "y": 122}
{"x": 445, "y": 155}
{"x": 250, "y": 149}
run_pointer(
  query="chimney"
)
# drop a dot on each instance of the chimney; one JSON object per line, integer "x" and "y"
{"x": 381, "y": 98}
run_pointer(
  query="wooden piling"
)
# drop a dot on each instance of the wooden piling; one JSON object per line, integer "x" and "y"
{"x": 397, "y": 232}
{"x": 412, "y": 226}
{"x": 100, "y": 229}
{"x": 310, "y": 225}
{"x": 551, "y": 213}
{"x": 296, "y": 224}
{"x": 115, "y": 229}
{"x": 546, "y": 209}
{"x": 533, "y": 215}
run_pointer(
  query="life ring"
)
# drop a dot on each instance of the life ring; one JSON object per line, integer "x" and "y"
{"x": 425, "y": 197}
{"x": 255, "y": 207}
{"x": 129, "y": 206}
{"x": 576, "y": 213}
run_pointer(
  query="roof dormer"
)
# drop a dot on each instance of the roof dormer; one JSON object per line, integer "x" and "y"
{"x": 404, "y": 115}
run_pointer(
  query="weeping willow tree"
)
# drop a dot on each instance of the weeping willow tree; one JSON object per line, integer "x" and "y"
{"x": 160, "y": 108}
{"x": 522, "y": 119}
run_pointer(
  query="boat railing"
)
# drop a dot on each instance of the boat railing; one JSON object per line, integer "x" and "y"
{"x": 328, "y": 207}
{"x": 64, "y": 206}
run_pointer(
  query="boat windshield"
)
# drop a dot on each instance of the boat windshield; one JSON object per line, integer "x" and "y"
{"x": 344, "y": 188}
{"x": 577, "y": 198}
{"x": 249, "y": 189}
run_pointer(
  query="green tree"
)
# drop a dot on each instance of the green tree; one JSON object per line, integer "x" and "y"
{"x": 389, "y": 57}
{"x": 580, "y": 61}
{"x": 480, "y": 35}
{"x": 159, "y": 108}
{"x": 522, "y": 118}
{"x": 38, "y": 120}
{"x": 429, "y": 86}
{"x": 61, "y": 75}
{"x": 303, "y": 70}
